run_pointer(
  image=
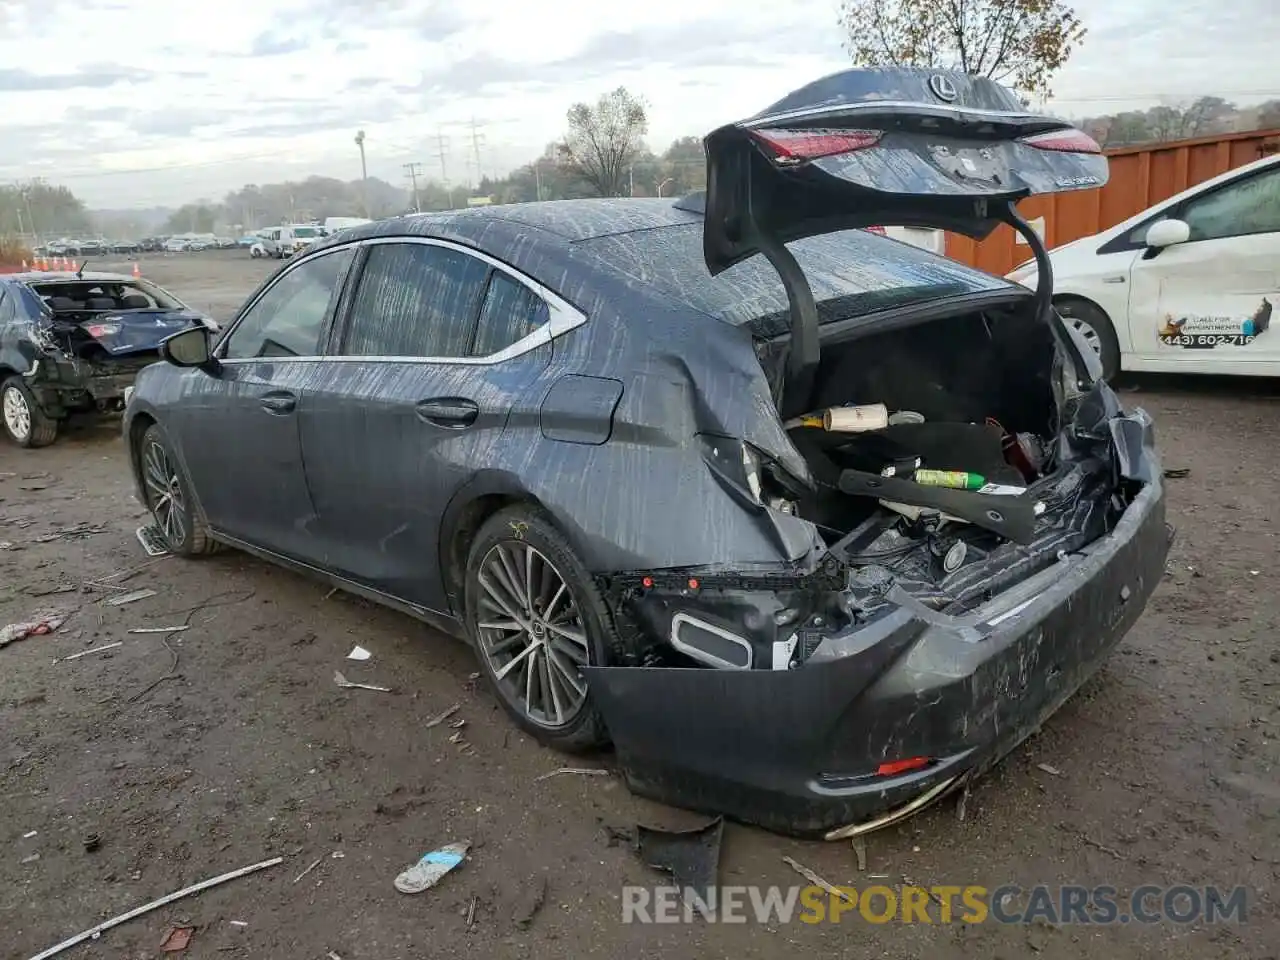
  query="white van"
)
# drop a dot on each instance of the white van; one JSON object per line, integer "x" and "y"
{"x": 333, "y": 224}
{"x": 295, "y": 237}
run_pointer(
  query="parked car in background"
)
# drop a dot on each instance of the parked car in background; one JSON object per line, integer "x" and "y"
{"x": 151, "y": 244}
{"x": 177, "y": 244}
{"x": 225, "y": 243}
{"x": 247, "y": 241}
{"x": 605, "y": 441}
{"x": 72, "y": 343}
{"x": 1187, "y": 286}
{"x": 125, "y": 246}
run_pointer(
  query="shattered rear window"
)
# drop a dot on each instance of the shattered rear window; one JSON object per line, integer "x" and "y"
{"x": 853, "y": 273}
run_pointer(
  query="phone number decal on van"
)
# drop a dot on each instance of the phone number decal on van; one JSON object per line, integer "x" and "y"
{"x": 1207, "y": 340}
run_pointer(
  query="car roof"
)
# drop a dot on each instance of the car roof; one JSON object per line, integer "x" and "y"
{"x": 66, "y": 276}
{"x": 567, "y": 220}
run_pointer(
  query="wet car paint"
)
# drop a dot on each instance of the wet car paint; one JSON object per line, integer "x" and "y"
{"x": 615, "y": 469}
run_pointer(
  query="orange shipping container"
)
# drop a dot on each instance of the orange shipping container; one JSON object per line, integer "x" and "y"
{"x": 1140, "y": 177}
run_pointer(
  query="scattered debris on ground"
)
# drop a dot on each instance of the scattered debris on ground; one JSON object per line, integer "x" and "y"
{"x": 359, "y": 653}
{"x": 346, "y": 684}
{"x": 816, "y": 880}
{"x": 131, "y": 597}
{"x": 315, "y": 863}
{"x": 576, "y": 771}
{"x": 440, "y": 718}
{"x": 152, "y": 541}
{"x": 177, "y": 939}
{"x": 174, "y": 629}
{"x": 528, "y": 901}
{"x": 1052, "y": 771}
{"x": 1177, "y": 473}
{"x": 95, "y": 932}
{"x": 692, "y": 857}
{"x": 39, "y": 626}
{"x": 860, "y": 851}
{"x": 85, "y": 653}
{"x": 432, "y": 867}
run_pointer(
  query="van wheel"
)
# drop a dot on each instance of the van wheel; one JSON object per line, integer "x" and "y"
{"x": 535, "y": 618}
{"x": 1096, "y": 328}
{"x": 24, "y": 422}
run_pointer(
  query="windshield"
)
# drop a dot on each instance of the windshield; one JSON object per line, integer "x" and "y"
{"x": 124, "y": 295}
{"x": 304, "y": 232}
{"x": 853, "y": 273}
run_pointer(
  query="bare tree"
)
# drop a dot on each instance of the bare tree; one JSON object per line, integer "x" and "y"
{"x": 1019, "y": 42}
{"x": 603, "y": 140}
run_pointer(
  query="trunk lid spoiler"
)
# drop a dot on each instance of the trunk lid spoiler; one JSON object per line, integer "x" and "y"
{"x": 137, "y": 331}
{"x": 890, "y": 146}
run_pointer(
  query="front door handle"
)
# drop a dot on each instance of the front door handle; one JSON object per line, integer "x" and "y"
{"x": 279, "y": 402}
{"x": 452, "y": 412}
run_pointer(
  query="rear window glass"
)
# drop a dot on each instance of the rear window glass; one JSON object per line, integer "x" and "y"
{"x": 852, "y": 273}
{"x": 113, "y": 295}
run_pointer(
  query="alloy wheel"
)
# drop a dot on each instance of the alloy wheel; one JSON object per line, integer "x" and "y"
{"x": 1090, "y": 335}
{"x": 17, "y": 414}
{"x": 164, "y": 492}
{"x": 531, "y": 633}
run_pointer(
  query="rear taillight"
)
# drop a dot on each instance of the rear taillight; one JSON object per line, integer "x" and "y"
{"x": 879, "y": 230}
{"x": 797, "y": 145}
{"x": 1064, "y": 141}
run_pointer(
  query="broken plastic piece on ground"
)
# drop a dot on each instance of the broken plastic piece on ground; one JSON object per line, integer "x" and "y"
{"x": 579, "y": 771}
{"x": 176, "y": 939}
{"x": 429, "y": 870}
{"x": 816, "y": 880}
{"x": 444, "y": 715}
{"x": 174, "y": 629}
{"x": 131, "y": 597}
{"x": 39, "y": 627}
{"x": 95, "y": 932}
{"x": 346, "y": 684}
{"x": 359, "y": 653}
{"x": 692, "y": 857}
{"x": 85, "y": 653}
{"x": 1177, "y": 473}
{"x": 152, "y": 541}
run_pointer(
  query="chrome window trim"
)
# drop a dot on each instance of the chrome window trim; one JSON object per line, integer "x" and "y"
{"x": 563, "y": 316}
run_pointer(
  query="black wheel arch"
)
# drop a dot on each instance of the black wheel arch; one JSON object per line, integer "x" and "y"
{"x": 484, "y": 495}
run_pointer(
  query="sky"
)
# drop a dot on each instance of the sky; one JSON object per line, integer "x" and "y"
{"x": 140, "y": 103}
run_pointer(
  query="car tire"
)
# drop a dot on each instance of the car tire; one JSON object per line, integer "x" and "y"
{"x": 25, "y": 424}
{"x": 1096, "y": 327}
{"x": 165, "y": 483}
{"x": 513, "y": 543}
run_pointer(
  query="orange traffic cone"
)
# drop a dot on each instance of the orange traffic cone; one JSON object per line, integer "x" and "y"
{"x": 137, "y": 270}
{"x": 44, "y": 264}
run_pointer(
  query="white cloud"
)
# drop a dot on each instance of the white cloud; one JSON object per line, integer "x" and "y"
{"x": 144, "y": 102}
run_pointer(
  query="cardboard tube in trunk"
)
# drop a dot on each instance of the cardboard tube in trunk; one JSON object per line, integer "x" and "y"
{"x": 859, "y": 419}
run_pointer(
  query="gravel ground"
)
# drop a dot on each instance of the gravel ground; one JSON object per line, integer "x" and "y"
{"x": 228, "y": 743}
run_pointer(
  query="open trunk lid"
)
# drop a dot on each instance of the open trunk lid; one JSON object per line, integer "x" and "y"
{"x": 137, "y": 331}
{"x": 891, "y": 146}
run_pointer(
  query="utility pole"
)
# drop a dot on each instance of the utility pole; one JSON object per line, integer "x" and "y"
{"x": 475, "y": 145}
{"x": 412, "y": 167}
{"x": 364, "y": 173}
{"x": 443, "y": 148}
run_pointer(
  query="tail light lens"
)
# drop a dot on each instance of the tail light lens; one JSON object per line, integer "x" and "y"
{"x": 879, "y": 230}
{"x": 102, "y": 329}
{"x": 796, "y": 145}
{"x": 1064, "y": 141}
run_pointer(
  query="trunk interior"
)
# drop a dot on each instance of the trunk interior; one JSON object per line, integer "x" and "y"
{"x": 972, "y": 393}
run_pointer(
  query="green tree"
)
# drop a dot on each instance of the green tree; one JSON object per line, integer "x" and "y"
{"x": 192, "y": 218}
{"x": 603, "y": 141}
{"x": 1019, "y": 42}
{"x": 685, "y": 165}
{"x": 36, "y": 207}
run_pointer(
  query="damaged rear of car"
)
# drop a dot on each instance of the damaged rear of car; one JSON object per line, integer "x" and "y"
{"x": 986, "y": 521}
{"x": 72, "y": 343}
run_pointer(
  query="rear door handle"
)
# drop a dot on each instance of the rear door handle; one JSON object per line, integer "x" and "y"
{"x": 452, "y": 412}
{"x": 279, "y": 402}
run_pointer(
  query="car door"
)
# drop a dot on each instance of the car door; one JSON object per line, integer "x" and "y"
{"x": 437, "y": 344}
{"x": 239, "y": 428}
{"x": 1211, "y": 298}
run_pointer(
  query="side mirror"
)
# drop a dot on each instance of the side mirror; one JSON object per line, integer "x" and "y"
{"x": 189, "y": 348}
{"x": 1166, "y": 233}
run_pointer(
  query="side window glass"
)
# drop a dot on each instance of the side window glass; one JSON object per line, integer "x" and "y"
{"x": 1250, "y": 207}
{"x": 7, "y": 310}
{"x": 510, "y": 312}
{"x": 415, "y": 300}
{"x": 288, "y": 321}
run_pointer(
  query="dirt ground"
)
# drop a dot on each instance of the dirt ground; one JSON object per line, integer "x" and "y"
{"x": 202, "y": 751}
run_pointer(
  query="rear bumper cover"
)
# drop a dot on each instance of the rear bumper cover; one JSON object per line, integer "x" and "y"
{"x": 796, "y": 751}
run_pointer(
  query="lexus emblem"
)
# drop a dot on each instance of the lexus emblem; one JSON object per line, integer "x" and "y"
{"x": 943, "y": 88}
